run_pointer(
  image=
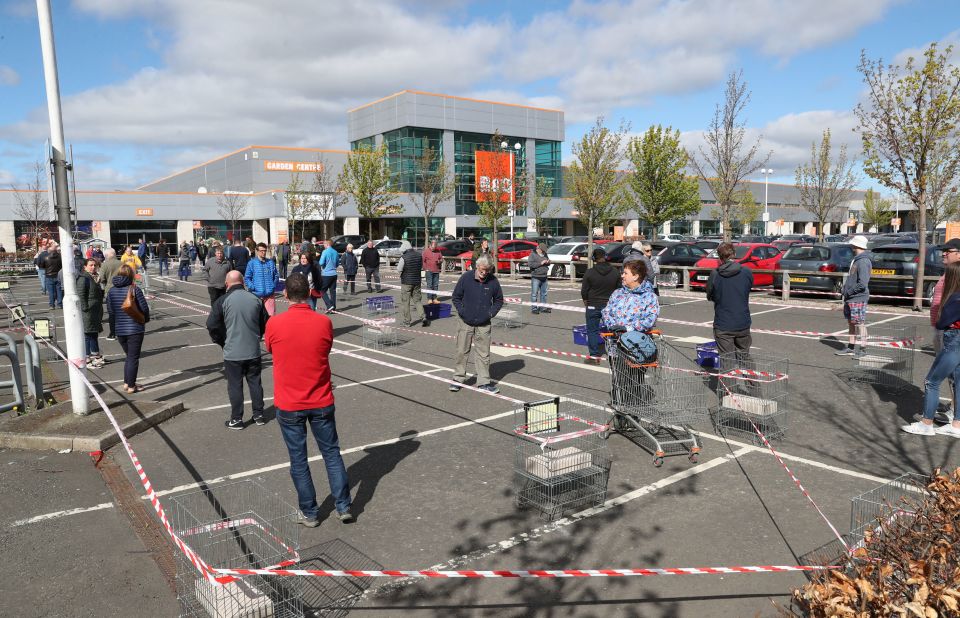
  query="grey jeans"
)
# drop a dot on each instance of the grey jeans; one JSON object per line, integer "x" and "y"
{"x": 410, "y": 295}
{"x": 477, "y": 337}
{"x": 734, "y": 341}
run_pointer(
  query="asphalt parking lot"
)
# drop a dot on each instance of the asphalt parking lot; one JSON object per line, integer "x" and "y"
{"x": 431, "y": 472}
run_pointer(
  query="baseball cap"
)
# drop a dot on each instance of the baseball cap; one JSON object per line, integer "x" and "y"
{"x": 859, "y": 241}
{"x": 951, "y": 245}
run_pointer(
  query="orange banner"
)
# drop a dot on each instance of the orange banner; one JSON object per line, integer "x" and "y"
{"x": 494, "y": 176}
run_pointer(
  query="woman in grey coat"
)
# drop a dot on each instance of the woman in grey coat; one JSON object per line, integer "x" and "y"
{"x": 539, "y": 264}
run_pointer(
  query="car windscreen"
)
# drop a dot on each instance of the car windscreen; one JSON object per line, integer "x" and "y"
{"x": 892, "y": 254}
{"x": 807, "y": 253}
{"x": 562, "y": 249}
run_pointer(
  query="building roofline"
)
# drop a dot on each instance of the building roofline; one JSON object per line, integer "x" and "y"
{"x": 138, "y": 192}
{"x": 230, "y": 154}
{"x": 450, "y": 96}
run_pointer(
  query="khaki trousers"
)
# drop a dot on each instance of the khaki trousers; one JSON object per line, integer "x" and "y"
{"x": 477, "y": 337}
{"x": 410, "y": 295}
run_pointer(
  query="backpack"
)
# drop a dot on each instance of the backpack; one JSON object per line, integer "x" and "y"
{"x": 639, "y": 347}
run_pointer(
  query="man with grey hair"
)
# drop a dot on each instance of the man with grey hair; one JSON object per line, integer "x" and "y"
{"x": 478, "y": 298}
{"x": 108, "y": 270}
{"x": 643, "y": 252}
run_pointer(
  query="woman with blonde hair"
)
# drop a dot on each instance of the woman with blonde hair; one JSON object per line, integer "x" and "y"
{"x": 129, "y": 322}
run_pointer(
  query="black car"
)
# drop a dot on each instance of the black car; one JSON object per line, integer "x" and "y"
{"x": 708, "y": 245}
{"x": 902, "y": 259}
{"x": 812, "y": 259}
{"x": 453, "y": 248}
{"x": 615, "y": 252}
{"x": 340, "y": 242}
{"x": 680, "y": 254}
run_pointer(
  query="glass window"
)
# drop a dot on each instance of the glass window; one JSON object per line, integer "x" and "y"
{"x": 465, "y": 145}
{"x": 681, "y": 251}
{"x": 696, "y": 251}
{"x": 709, "y": 228}
{"x": 890, "y": 254}
{"x": 681, "y": 226}
{"x": 548, "y": 165}
{"x": 404, "y": 147}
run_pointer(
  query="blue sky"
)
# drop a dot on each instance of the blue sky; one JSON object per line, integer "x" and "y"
{"x": 157, "y": 86}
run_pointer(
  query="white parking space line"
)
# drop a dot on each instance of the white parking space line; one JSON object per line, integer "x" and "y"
{"x": 767, "y": 311}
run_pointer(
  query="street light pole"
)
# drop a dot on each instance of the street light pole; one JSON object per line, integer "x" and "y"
{"x": 766, "y": 188}
{"x": 72, "y": 322}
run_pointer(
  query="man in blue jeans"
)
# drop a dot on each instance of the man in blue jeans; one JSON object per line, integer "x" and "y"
{"x": 303, "y": 394}
{"x": 598, "y": 284}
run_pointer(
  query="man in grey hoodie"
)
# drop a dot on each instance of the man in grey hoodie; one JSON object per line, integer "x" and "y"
{"x": 217, "y": 270}
{"x": 856, "y": 295}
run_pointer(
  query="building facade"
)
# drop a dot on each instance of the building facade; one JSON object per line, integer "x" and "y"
{"x": 245, "y": 192}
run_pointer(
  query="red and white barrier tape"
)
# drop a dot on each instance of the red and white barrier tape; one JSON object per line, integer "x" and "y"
{"x": 543, "y": 574}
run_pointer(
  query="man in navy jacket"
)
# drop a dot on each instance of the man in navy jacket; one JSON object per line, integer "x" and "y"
{"x": 729, "y": 289}
{"x": 478, "y": 298}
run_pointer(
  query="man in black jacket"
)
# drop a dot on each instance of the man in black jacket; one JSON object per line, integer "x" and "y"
{"x": 239, "y": 256}
{"x": 598, "y": 284}
{"x": 729, "y": 289}
{"x": 478, "y": 298}
{"x": 370, "y": 260}
{"x": 409, "y": 267}
{"x": 163, "y": 257}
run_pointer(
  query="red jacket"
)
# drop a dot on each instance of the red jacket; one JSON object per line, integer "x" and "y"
{"x": 300, "y": 340}
{"x": 432, "y": 260}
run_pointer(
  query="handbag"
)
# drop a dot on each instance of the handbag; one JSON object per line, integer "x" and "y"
{"x": 131, "y": 308}
{"x": 638, "y": 346}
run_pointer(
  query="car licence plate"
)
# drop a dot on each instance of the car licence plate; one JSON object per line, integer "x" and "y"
{"x": 798, "y": 279}
{"x": 882, "y": 271}
{"x": 702, "y": 277}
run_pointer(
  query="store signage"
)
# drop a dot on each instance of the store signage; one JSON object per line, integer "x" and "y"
{"x": 494, "y": 175}
{"x": 144, "y": 212}
{"x": 292, "y": 166}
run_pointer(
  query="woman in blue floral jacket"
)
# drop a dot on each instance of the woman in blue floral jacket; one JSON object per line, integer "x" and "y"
{"x": 634, "y": 305}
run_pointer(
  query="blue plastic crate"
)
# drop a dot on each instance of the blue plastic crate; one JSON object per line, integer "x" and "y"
{"x": 580, "y": 334}
{"x": 435, "y": 311}
{"x": 708, "y": 356}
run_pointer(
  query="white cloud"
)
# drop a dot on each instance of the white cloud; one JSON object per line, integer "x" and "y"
{"x": 8, "y": 77}
{"x": 917, "y": 52}
{"x": 237, "y": 72}
{"x": 790, "y": 137}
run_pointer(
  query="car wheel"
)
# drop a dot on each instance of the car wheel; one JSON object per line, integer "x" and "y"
{"x": 559, "y": 271}
{"x": 928, "y": 292}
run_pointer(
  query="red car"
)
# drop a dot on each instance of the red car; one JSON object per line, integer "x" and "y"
{"x": 508, "y": 250}
{"x": 752, "y": 255}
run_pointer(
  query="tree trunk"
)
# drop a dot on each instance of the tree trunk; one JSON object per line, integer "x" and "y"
{"x": 426, "y": 231}
{"x": 725, "y": 220}
{"x": 495, "y": 249}
{"x": 589, "y": 242}
{"x": 918, "y": 291}
{"x": 370, "y": 228}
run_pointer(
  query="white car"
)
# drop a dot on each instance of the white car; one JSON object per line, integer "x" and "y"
{"x": 387, "y": 248}
{"x": 676, "y": 238}
{"x": 560, "y": 256}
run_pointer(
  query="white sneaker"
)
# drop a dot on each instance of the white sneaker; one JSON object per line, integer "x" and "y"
{"x": 948, "y": 430}
{"x": 920, "y": 429}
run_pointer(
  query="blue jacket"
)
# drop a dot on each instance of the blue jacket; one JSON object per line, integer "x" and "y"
{"x": 729, "y": 289}
{"x": 328, "y": 262}
{"x": 349, "y": 262}
{"x": 636, "y": 309}
{"x": 261, "y": 277}
{"x": 477, "y": 302}
{"x": 124, "y": 324}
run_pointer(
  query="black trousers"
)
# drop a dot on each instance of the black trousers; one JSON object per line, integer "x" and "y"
{"x": 131, "y": 345}
{"x": 215, "y": 293}
{"x": 236, "y": 371}
{"x": 113, "y": 325}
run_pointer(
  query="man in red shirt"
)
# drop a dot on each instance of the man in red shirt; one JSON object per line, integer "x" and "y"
{"x": 302, "y": 394}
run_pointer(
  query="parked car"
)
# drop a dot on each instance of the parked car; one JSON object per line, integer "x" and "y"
{"x": 752, "y": 255}
{"x": 902, "y": 259}
{"x": 836, "y": 238}
{"x": 453, "y": 248}
{"x": 681, "y": 254}
{"x": 800, "y": 237}
{"x": 340, "y": 242}
{"x": 707, "y": 244}
{"x": 677, "y": 237}
{"x": 615, "y": 251}
{"x": 563, "y": 239}
{"x": 386, "y": 248}
{"x": 815, "y": 258}
{"x": 880, "y": 240}
{"x": 506, "y": 250}
{"x": 784, "y": 244}
{"x": 560, "y": 256}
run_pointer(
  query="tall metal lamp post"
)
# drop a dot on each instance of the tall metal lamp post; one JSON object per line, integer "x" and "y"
{"x": 516, "y": 149}
{"x": 766, "y": 192}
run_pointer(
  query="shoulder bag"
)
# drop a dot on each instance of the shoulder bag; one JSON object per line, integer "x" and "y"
{"x": 130, "y": 306}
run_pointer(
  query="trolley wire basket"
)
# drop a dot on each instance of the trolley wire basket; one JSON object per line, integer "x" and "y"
{"x": 884, "y": 503}
{"x": 509, "y": 318}
{"x": 889, "y": 357}
{"x": 238, "y": 525}
{"x": 379, "y": 328}
{"x": 752, "y": 389}
{"x": 562, "y": 462}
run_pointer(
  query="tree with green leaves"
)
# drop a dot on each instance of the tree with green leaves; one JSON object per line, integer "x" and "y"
{"x": 877, "y": 212}
{"x": 434, "y": 183}
{"x": 538, "y": 193}
{"x": 366, "y": 177}
{"x": 659, "y": 188}
{"x": 825, "y": 183}
{"x": 907, "y": 116}
{"x": 726, "y": 160}
{"x": 593, "y": 180}
{"x": 326, "y": 195}
{"x": 944, "y": 197}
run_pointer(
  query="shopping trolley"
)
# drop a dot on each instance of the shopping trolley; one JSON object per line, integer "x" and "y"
{"x": 655, "y": 403}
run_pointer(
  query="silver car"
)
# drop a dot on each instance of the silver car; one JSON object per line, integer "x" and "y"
{"x": 815, "y": 259}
